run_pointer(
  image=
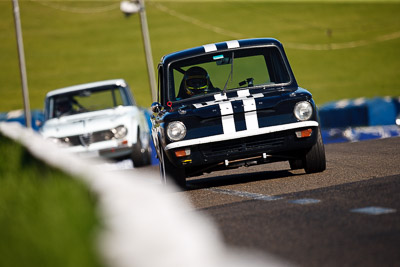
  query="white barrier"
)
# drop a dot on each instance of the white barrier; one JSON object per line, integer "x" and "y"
{"x": 145, "y": 225}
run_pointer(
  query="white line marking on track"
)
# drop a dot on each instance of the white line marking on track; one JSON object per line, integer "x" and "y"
{"x": 244, "y": 194}
{"x": 304, "y": 201}
{"x": 374, "y": 210}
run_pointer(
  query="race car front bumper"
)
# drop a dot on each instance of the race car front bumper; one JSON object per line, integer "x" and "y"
{"x": 283, "y": 141}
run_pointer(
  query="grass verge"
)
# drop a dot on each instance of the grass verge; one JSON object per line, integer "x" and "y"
{"x": 47, "y": 218}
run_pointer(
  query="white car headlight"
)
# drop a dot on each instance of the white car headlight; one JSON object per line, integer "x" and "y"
{"x": 62, "y": 142}
{"x": 119, "y": 132}
{"x": 303, "y": 110}
{"x": 176, "y": 131}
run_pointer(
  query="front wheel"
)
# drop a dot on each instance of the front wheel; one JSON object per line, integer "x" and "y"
{"x": 314, "y": 160}
{"x": 169, "y": 173}
{"x": 140, "y": 156}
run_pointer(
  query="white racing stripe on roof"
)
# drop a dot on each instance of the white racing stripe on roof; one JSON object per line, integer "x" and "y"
{"x": 232, "y": 44}
{"x": 210, "y": 48}
{"x": 213, "y": 47}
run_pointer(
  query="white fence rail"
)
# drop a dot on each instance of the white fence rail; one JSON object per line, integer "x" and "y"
{"x": 145, "y": 225}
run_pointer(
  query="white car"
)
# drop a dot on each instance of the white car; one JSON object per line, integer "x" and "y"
{"x": 98, "y": 119}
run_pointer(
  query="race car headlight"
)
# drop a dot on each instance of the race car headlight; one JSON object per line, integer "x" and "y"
{"x": 62, "y": 142}
{"x": 303, "y": 110}
{"x": 119, "y": 132}
{"x": 176, "y": 131}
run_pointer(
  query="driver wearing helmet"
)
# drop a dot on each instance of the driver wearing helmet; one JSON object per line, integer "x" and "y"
{"x": 63, "y": 107}
{"x": 196, "y": 81}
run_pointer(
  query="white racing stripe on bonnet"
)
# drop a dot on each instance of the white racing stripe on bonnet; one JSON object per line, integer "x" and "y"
{"x": 228, "y": 122}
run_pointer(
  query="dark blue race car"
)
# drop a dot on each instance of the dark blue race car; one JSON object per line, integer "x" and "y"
{"x": 232, "y": 104}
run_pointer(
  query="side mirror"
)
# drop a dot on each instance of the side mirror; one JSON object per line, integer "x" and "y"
{"x": 156, "y": 107}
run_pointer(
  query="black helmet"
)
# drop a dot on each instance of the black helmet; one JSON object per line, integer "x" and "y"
{"x": 196, "y": 81}
{"x": 63, "y": 105}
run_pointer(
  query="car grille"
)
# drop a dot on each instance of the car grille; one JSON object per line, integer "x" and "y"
{"x": 248, "y": 144}
{"x": 88, "y": 138}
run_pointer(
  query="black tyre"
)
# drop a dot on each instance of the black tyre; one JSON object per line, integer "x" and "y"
{"x": 170, "y": 173}
{"x": 140, "y": 155}
{"x": 314, "y": 160}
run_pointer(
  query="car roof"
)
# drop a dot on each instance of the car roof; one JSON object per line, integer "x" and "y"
{"x": 117, "y": 82}
{"x": 255, "y": 42}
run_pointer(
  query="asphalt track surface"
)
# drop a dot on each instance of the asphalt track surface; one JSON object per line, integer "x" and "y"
{"x": 311, "y": 219}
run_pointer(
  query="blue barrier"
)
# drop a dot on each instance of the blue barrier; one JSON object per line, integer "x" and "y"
{"x": 19, "y": 116}
{"x": 154, "y": 159}
{"x": 343, "y": 114}
{"x": 359, "y": 112}
{"x": 352, "y": 120}
{"x": 342, "y": 135}
{"x": 381, "y": 111}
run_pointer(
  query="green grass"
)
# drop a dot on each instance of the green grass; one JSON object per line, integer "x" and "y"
{"x": 46, "y": 217}
{"x": 64, "y": 48}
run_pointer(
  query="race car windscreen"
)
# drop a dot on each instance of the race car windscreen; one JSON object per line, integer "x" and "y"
{"x": 86, "y": 101}
{"x": 233, "y": 69}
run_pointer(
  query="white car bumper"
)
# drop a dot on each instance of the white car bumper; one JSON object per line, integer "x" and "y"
{"x": 107, "y": 149}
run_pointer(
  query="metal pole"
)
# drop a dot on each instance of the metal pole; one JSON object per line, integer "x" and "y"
{"x": 22, "y": 68}
{"x": 147, "y": 50}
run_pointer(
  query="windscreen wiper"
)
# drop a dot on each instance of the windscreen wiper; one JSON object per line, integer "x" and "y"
{"x": 230, "y": 75}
